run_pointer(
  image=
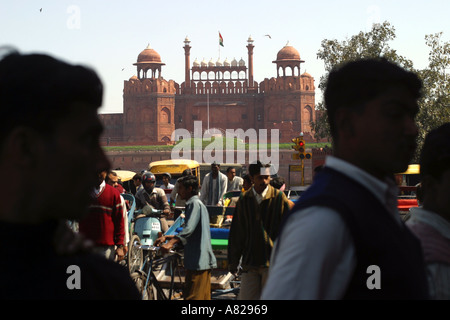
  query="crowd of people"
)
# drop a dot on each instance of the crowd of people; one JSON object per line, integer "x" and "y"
{"x": 343, "y": 239}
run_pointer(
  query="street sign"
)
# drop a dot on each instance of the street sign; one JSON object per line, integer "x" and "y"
{"x": 295, "y": 168}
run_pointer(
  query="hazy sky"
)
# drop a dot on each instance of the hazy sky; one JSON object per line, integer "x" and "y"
{"x": 109, "y": 35}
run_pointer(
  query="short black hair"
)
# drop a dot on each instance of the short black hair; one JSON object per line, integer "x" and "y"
{"x": 36, "y": 90}
{"x": 435, "y": 153}
{"x": 277, "y": 182}
{"x": 186, "y": 172}
{"x": 189, "y": 181}
{"x": 255, "y": 168}
{"x": 110, "y": 172}
{"x": 137, "y": 176}
{"x": 247, "y": 178}
{"x": 229, "y": 169}
{"x": 352, "y": 85}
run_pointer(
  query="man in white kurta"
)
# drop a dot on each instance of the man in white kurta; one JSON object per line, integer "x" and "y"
{"x": 214, "y": 186}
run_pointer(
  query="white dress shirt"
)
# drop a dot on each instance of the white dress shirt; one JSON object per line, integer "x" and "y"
{"x": 260, "y": 197}
{"x": 317, "y": 257}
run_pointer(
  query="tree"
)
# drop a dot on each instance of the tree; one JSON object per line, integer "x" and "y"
{"x": 370, "y": 44}
{"x": 435, "y": 103}
{"x": 434, "y": 106}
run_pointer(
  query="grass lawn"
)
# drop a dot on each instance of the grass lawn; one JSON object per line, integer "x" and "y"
{"x": 195, "y": 142}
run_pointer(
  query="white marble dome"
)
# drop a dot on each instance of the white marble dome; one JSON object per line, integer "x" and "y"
{"x": 196, "y": 63}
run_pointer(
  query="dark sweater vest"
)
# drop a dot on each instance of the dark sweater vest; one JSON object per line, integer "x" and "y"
{"x": 378, "y": 239}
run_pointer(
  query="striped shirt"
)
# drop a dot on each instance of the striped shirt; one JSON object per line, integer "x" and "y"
{"x": 434, "y": 234}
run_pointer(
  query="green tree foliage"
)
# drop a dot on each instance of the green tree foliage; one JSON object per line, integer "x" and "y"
{"x": 435, "y": 103}
{"x": 434, "y": 106}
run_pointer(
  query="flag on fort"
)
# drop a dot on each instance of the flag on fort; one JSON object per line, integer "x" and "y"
{"x": 220, "y": 39}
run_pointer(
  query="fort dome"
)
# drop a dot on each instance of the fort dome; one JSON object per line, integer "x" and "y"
{"x": 306, "y": 74}
{"x": 288, "y": 53}
{"x": 149, "y": 55}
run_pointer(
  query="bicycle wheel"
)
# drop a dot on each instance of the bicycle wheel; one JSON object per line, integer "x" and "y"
{"x": 135, "y": 254}
{"x": 174, "y": 270}
{"x": 140, "y": 278}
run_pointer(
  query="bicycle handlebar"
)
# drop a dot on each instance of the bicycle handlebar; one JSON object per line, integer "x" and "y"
{"x": 156, "y": 249}
{"x": 155, "y": 213}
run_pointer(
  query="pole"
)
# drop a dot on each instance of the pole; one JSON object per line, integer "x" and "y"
{"x": 303, "y": 173}
{"x": 207, "y": 104}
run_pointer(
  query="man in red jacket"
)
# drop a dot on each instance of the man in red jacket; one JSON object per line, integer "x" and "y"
{"x": 104, "y": 224}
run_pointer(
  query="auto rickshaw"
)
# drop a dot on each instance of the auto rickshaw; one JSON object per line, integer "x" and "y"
{"x": 174, "y": 167}
{"x": 126, "y": 177}
{"x": 407, "y": 183}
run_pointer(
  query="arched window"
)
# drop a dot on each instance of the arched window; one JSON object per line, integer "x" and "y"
{"x": 288, "y": 71}
{"x": 164, "y": 115}
{"x": 196, "y": 76}
{"x": 307, "y": 117}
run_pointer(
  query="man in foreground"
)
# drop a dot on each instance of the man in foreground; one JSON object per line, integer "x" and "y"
{"x": 344, "y": 238}
{"x": 51, "y": 134}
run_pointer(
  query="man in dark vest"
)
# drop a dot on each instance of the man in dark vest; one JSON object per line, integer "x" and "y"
{"x": 50, "y": 133}
{"x": 344, "y": 239}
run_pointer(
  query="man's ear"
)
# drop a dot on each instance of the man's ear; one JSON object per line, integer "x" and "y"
{"x": 23, "y": 147}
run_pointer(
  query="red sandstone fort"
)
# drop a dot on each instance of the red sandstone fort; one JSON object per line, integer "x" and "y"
{"x": 223, "y": 94}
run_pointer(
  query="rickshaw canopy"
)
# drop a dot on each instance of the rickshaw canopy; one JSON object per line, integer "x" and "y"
{"x": 125, "y": 175}
{"x": 412, "y": 169}
{"x": 174, "y": 167}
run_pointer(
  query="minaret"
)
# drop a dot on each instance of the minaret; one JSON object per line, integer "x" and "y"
{"x": 187, "y": 76}
{"x": 250, "y": 47}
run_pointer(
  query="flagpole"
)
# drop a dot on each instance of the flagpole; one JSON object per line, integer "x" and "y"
{"x": 207, "y": 104}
